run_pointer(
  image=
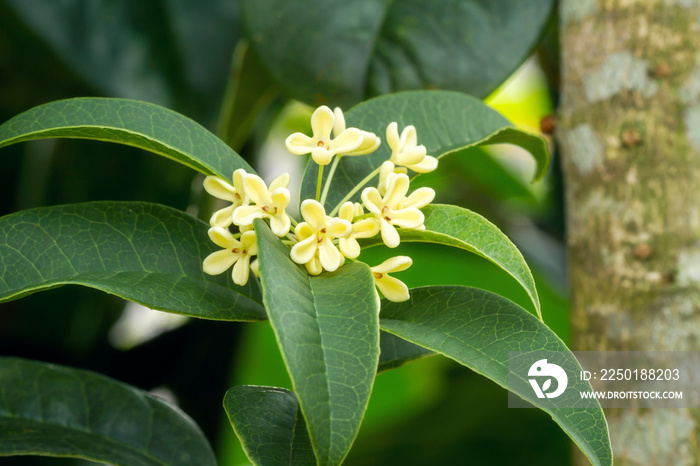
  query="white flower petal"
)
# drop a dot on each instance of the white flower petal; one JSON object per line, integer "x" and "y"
{"x": 219, "y": 262}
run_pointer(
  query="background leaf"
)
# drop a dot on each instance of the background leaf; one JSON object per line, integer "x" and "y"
{"x": 59, "y": 411}
{"x": 130, "y": 122}
{"x": 478, "y": 329}
{"x": 395, "y": 352}
{"x": 327, "y": 330}
{"x": 147, "y": 253}
{"x": 454, "y": 226}
{"x": 173, "y": 53}
{"x": 445, "y": 122}
{"x": 269, "y": 425}
{"x": 345, "y": 52}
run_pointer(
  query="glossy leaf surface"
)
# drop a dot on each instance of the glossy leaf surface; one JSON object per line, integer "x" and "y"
{"x": 347, "y": 51}
{"x": 140, "y": 124}
{"x": 58, "y": 411}
{"x": 478, "y": 329}
{"x": 147, "y": 253}
{"x": 328, "y": 333}
{"x": 269, "y": 425}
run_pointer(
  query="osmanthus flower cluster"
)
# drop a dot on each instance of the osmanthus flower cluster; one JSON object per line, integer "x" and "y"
{"x": 321, "y": 241}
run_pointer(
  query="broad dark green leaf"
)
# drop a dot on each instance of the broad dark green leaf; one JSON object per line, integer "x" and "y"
{"x": 130, "y": 122}
{"x": 327, "y": 330}
{"x": 269, "y": 425}
{"x": 342, "y": 52}
{"x": 58, "y": 411}
{"x": 478, "y": 329}
{"x": 147, "y": 253}
{"x": 175, "y": 53}
{"x": 461, "y": 228}
{"x": 445, "y": 123}
{"x": 395, "y": 351}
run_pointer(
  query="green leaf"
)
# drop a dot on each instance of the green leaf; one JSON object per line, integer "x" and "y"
{"x": 478, "y": 329}
{"x": 147, "y": 253}
{"x": 58, "y": 411}
{"x": 328, "y": 333}
{"x": 174, "y": 53}
{"x": 461, "y": 228}
{"x": 130, "y": 122}
{"x": 395, "y": 352}
{"x": 342, "y": 52}
{"x": 269, "y": 425}
{"x": 445, "y": 122}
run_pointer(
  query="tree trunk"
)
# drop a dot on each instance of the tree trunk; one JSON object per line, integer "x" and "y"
{"x": 629, "y": 131}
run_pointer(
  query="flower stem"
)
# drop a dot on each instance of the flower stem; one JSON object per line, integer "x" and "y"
{"x": 354, "y": 190}
{"x": 329, "y": 178}
{"x": 319, "y": 181}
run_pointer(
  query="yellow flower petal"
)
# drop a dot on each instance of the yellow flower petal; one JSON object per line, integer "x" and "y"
{"x": 407, "y": 218}
{"x": 347, "y": 211}
{"x": 304, "y": 251}
{"x": 299, "y": 144}
{"x": 223, "y": 238}
{"x": 321, "y": 155}
{"x": 244, "y": 215}
{"x": 347, "y": 141}
{"x": 338, "y": 228}
{"x": 222, "y": 217}
{"x": 255, "y": 267}
{"x": 280, "y": 224}
{"x": 389, "y": 234}
{"x": 392, "y": 289}
{"x": 281, "y": 181}
{"x": 219, "y": 262}
{"x": 349, "y": 247}
{"x": 314, "y": 266}
{"x": 419, "y": 198}
{"x": 322, "y": 123}
{"x": 392, "y": 136}
{"x": 256, "y": 190}
{"x": 339, "y": 123}
{"x": 393, "y": 264}
{"x": 365, "y": 228}
{"x": 329, "y": 255}
{"x": 426, "y": 165}
{"x": 313, "y": 213}
{"x": 219, "y": 188}
{"x": 396, "y": 189}
{"x": 241, "y": 271}
{"x": 372, "y": 200}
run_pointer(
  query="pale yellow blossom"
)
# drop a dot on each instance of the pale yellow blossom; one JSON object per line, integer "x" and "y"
{"x": 232, "y": 193}
{"x": 267, "y": 203}
{"x": 385, "y": 170}
{"x": 395, "y": 209}
{"x": 316, "y": 235}
{"x": 365, "y": 228}
{"x": 370, "y": 141}
{"x": 392, "y": 288}
{"x": 234, "y": 253}
{"x": 321, "y": 146}
{"x": 405, "y": 150}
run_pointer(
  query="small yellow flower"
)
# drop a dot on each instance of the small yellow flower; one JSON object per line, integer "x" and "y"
{"x": 320, "y": 145}
{"x": 385, "y": 170}
{"x": 365, "y": 228}
{"x": 234, "y": 253}
{"x": 406, "y": 152}
{"x": 395, "y": 209}
{"x": 223, "y": 190}
{"x": 316, "y": 235}
{"x": 268, "y": 203}
{"x": 370, "y": 141}
{"x": 392, "y": 288}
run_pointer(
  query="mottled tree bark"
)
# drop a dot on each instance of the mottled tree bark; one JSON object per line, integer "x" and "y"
{"x": 629, "y": 130}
